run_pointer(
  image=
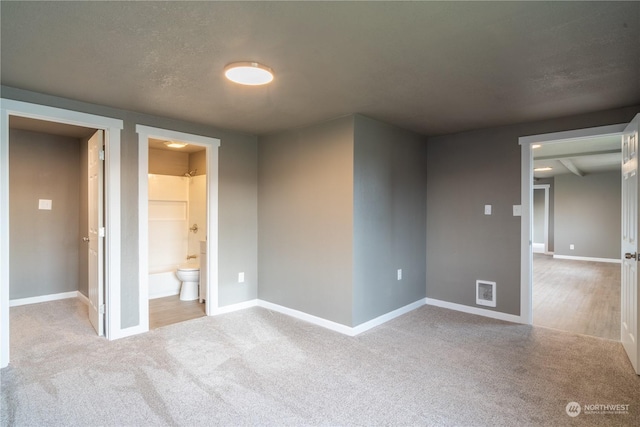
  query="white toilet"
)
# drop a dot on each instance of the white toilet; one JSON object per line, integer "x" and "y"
{"x": 189, "y": 275}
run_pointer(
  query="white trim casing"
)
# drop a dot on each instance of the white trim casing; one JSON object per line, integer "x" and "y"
{"x": 46, "y": 298}
{"x": 112, "y": 128}
{"x": 82, "y": 298}
{"x": 212, "y": 145}
{"x": 475, "y": 310}
{"x": 338, "y": 327}
{"x": 236, "y": 307}
{"x": 586, "y": 258}
{"x": 545, "y": 248}
{"x": 526, "y": 188}
{"x": 4, "y": 237}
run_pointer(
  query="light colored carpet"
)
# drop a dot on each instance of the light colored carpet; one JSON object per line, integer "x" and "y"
{"x": 255, "y": 367}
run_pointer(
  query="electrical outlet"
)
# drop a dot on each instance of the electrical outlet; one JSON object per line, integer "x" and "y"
{"x": 487, "y": 209}
{"x": 572, "y": 247}
{"x": 240, "y": 277}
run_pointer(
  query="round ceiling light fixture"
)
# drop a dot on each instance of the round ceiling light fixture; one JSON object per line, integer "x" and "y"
{"x": 248, "y": 73}
{"x": 175, "y": 144}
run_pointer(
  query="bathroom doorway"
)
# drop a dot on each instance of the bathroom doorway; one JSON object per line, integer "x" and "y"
{"x": 177, "y": 230}
{"x": 178, "y": 225}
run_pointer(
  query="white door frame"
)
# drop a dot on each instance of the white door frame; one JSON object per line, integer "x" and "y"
{"x": 212, "y": 144}
{"x": 545, "y": 187}
{"x": 526, "y": 188}
{"x": 112, "y": 128}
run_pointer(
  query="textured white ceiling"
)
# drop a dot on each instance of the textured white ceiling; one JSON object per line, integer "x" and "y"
{"x": 433, "y": 67}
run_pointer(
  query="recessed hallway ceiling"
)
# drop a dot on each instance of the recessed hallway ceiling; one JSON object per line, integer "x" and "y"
{"x": 433, "y": 67}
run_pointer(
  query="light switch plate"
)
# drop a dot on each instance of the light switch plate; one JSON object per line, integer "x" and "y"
{"x": 487, "y": 209}
{"x": 44, "y": 204}
{"x": 517, "y": 210}
{"x": 399, "y": 274}
{"x": 240, "y": 277}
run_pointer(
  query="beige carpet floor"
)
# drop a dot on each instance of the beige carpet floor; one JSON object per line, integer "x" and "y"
{"x": 430, "y": 367}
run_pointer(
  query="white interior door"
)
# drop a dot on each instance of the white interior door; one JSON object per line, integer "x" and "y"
{"x": 629, "y": 291}
{"x": 96, "y": 232}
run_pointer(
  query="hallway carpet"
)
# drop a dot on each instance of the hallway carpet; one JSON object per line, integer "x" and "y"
{"x": 431, "y": 367}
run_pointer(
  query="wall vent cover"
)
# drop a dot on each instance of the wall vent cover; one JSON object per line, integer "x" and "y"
{"x": 486, "y": 293}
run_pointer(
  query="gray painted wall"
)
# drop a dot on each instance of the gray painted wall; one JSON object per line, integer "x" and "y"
{"x": 389, "y": 218}
{"x": 238, "y": 220}
{"x": 588, "y": 215}
{"x": 466, "y": 171}
{"x": 44, "y": 244}
{"x": 238, "y": 238}
{"x": 538, "y": 215}
{"x": 550, "y": 183}
{"x": 306, "y": 219}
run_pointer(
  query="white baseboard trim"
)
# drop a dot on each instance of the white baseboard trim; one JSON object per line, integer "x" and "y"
{"x": 538, "y": 248}
{"x": 164, "y": 294}
{"x": 475, "y": 310}
{"x": 82, "y": 298}
{"x": 319, "y": 321}
{"x": 235, "y": 307}
{"x": 388, "y": 316}
{"x": 338, "y": 327}
{"x": 127, "y": 332}
{"x": 42, "y": 298}
{"x": 584, "y": 258}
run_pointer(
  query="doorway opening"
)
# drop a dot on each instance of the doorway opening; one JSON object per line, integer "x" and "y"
{"x": 43, "y": 120}
{"x": 576, "y": 262}
{"x": 178, "y": 200}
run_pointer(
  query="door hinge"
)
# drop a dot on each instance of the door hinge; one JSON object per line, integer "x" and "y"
{"x": 101, "y": 154}
{"x": 101, "y": 232}
{"x": 101, "y": 309}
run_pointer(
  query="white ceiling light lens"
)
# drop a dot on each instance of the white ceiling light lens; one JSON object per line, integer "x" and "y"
{"x": 175, "y": 144}
{"x": 544, "y": 169}
{"x": 248, "y": 73}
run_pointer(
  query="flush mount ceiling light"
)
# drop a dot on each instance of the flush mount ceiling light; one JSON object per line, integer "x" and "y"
{"x": 545, "y": 169}
{"x": 248, "y": 73}
{"x": 534, "y": 146}
{"x": 175, "y": 144}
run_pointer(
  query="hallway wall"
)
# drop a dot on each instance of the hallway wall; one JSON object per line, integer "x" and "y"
{"x": 45, "y": 245}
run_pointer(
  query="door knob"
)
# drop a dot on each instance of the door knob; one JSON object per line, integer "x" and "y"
{"x": 629, "y": 255}
{"x": 85, "y": 239}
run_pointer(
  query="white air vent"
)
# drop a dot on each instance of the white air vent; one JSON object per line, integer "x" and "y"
{"x": 486, "y": 293}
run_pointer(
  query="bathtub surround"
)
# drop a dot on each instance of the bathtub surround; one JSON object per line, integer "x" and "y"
{"x": 175, "y": 204}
